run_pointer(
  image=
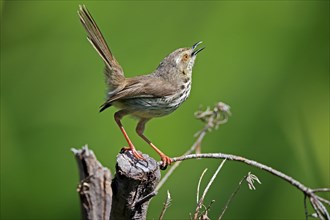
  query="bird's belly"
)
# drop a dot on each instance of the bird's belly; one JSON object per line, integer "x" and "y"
{"x": 151, "y": 107}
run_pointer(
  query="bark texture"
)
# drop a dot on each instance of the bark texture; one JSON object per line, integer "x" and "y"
{"x": 127, "y": 196}
{"x": 133, "y": 186}
{"x": 95, "y": 185}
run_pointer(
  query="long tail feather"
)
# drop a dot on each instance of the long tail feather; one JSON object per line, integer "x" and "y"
{"x": 114, "y": 73}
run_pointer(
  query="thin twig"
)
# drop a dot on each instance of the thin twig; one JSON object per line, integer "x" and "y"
{"x": 199, "y": 205}
{"x": 321, "y": 190}
{"x": 250, "y": 178}
{"x": 321, "y": 211}
{"x": 166, "y": 205}
{"x": 232, "y": 197}
{"x": 144, "y": 199}
{"x": 305, "y": 206}
{"x": 199, "y": 184}
{"x": 203, "y": 215}
{"x": 323, "y": 200}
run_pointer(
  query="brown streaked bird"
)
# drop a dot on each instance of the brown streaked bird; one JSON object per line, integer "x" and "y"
{"x": 146, "y": 96}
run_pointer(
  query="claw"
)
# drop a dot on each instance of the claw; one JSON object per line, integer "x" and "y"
{"x": 166, "y": 161}
{"x": 162, "y": 167}
{"x": 136, "y": 154}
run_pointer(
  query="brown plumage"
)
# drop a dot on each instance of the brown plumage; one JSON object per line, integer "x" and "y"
{"x": 147, "y": 96}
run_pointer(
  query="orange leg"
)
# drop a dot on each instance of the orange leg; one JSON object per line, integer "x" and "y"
{"x": 118, "y": 116}
{"x": 139, "y": 130}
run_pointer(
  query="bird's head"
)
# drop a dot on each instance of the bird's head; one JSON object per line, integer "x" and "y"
{"x": 181, "y": 61}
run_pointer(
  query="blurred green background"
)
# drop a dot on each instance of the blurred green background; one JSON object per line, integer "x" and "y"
{"x": 268, "y": 60}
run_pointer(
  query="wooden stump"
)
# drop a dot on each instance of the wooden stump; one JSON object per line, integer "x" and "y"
{"x": 131, "y": 189}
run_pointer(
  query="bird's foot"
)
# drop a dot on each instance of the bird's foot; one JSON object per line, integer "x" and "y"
{"x": 136, "y": 154}
{"x": 166, "y": 161}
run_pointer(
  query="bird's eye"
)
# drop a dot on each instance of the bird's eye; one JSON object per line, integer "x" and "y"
{"x": 185, "y": 57}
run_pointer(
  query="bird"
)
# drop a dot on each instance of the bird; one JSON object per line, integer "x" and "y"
{"x": 144, "y": 97}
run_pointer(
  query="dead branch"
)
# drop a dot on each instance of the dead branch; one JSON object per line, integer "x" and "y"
{"x": 314, "y": 199}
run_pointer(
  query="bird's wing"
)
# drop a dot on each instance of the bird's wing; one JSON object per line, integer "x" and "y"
{"x": 113, "y": 71}
{"x": 141, "y": 87}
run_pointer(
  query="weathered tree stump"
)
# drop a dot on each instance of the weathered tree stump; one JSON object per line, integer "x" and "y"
{"x": 130, "y": 192}
{"x": 94, "y": 187}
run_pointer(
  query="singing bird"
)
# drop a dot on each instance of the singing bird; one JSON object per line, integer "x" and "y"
{"x": 146, "y": 96}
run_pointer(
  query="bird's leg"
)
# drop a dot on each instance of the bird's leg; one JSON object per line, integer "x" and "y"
{"x": 118, "y": 116}
{"x": 139, "y": 130}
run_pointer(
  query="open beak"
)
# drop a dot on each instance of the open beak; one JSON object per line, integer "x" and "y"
{"x": 194, "y": 53}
